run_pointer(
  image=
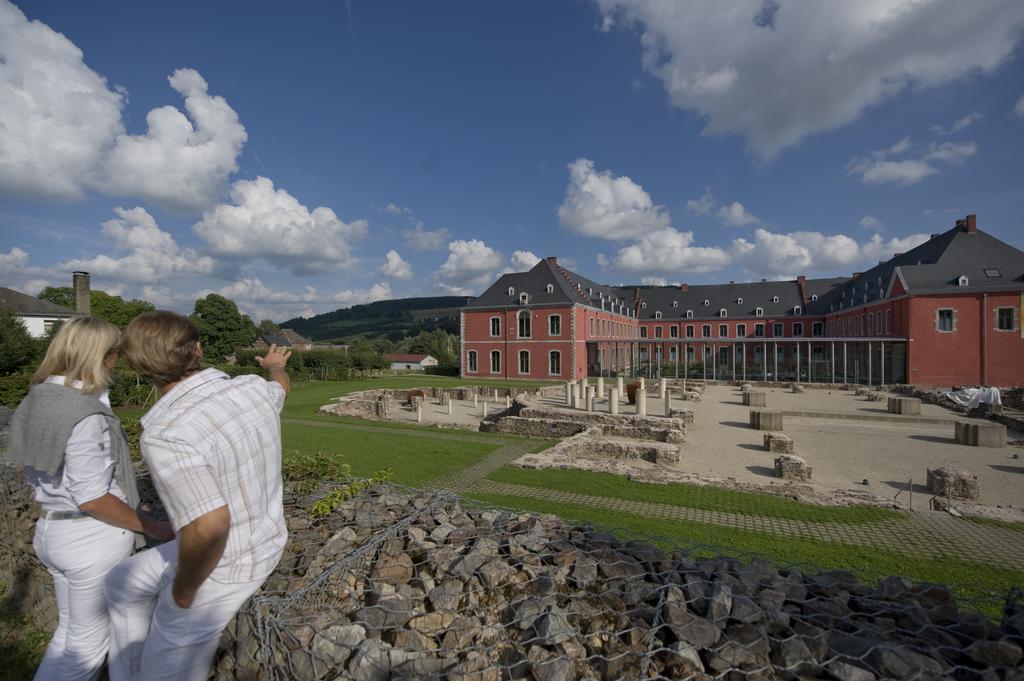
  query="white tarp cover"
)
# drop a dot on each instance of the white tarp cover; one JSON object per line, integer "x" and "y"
{"x": 972, "y": 397}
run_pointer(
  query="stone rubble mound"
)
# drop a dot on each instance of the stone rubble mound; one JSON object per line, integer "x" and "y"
{"x": 399, "y": 584}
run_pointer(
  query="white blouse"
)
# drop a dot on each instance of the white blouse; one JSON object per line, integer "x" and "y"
{"x": 88, "y": 470}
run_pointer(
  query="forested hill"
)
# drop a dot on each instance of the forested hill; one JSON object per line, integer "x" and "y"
{"x": 391, "y": 319}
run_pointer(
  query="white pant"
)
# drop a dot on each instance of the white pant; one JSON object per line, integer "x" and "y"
{"x": 151, "y": 638}
{"x": 78, "y": 553}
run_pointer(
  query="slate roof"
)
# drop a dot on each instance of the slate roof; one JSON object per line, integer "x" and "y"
{"x": 935, "y": 267}
{"x": 295, "y": 338}
{"x": 275, "y": 339}
{"x": 398, "y": 357}
{"x": 24, "y": 304}
{"x": 567, "y": 288}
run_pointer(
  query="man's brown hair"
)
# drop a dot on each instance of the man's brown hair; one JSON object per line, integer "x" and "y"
{"x": 161, "y": 346}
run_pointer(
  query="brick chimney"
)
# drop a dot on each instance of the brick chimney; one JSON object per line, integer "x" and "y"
{"x": 552, "y": 259}
{"x": 80, "y": 292}
{"x": 971, "y": 224}
{"x": 684, "y": 287}
{"x": 857, "y": 274}
{"x": 801, "y": 282}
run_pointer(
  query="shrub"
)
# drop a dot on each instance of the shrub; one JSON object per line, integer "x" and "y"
{"x": 307, "y": 472}
{"x": 13, "y": 388}
{"x": 128, "y": 389}
{"x": 133, "y": 431}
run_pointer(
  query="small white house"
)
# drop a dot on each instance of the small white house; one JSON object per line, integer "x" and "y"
{"x": 410, "y": 362}
{"x": 39, "y": 316}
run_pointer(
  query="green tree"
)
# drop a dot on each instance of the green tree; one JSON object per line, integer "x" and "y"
{"x": 437, "y": 343}
{"x": 222, "y": 328}
{"x": 267, "y": 326}
{"x": 18, "y": 349}
{"x": 114, "y": 309}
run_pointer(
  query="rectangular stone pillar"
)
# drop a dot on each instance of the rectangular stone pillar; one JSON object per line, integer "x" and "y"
{"x": 485, "y": 409}
{"x": 474, "y": 400}
{"x": 600, "y": 387}
{"x": 590, "y": 398}
{"x": 641, "y": 401}
{"x": 449, "y": 407}
{"x": 662, "y": 384}
{"x": 668, "y": 403}
{"x": 568, "y": 393}
{"x": 613, "y": 401}
{"x": 419, "y": 412}
{"x": 619, "y": 386}
{"x": 495, "y": 395}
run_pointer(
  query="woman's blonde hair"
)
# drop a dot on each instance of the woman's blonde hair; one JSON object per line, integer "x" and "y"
{"x": 77, "y": 352}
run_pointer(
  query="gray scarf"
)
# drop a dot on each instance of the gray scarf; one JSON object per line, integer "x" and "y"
{"x": 43, "y": 422}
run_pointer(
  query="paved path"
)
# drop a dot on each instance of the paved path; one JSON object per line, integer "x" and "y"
{"x": 927, "y": 534}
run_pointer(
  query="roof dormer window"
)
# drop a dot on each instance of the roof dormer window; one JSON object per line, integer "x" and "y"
{"x": 511, "y": 290}
{"x": 551, "y": 288}
{"x": 814, "y": 296}
{"x": 643, "y": 305}
{"x": 675, "y": 303}
{"x": 524, "y": 298}
{"x": 657, "y": 315}
{"x": 797, "y": 309}
{"x": 739, "y": 301}
{"x": 689, "y": 314}
{"x": 962, "y": 281}
{"x": 992, "y": 272}
{"x": 707, "y": 302}
{"x": 759, "y": 312}
{"x": 775, "y": 299}
{"x": 723, "y": 313}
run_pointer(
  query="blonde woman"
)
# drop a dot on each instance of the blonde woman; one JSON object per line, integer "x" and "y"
{"x": 76, "y": 457}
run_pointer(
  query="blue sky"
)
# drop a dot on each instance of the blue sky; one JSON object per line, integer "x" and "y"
{"x": 301, "y": 157}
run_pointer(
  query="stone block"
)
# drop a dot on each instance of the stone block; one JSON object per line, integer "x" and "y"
{"x": 907, "y": 406}
{"x": 797, "y": 388}
{"x": 980, "y": 434}
{"x": 755, "y": 398}
{"x": 958, "y": 483}
{"x": 766, "y": 419}
{"x": 791, "y": 467}
{"x": 746, "y": 387}
{"x": 778, "y": 443}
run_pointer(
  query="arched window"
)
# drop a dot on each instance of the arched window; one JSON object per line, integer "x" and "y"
{"x": 555, "y": 363}
{"x": 511, "y": 290}
{"x": 523, "y": 318}
{"x": 471, "y": 361}
{"x": 524, "y": 361}
{"x": 657, "y": 315}
{"x": 723, "y": 312}
{"x": 689, "y": 314}
{"x": 495, "y": 326}
{"x": 759, "y": 312}
{"x": 797, "y": 309}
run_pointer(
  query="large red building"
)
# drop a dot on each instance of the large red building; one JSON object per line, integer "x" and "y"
{"x": 946, "y": 313}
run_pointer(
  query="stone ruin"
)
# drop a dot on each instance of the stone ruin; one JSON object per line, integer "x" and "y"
{"x": 379, "y": 403}
{"x": 792, "y": 467}
{"x": 400, "y": 584}
{"x": 953, "y": 482}
{"x": 778, "y": 443}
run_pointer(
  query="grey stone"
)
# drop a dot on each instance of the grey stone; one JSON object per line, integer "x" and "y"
{"x": 553, "y": 627}
{"x": 720, "y": 602}
{"x": 995, "y": 653}
{"x": 371, "y": 661}
{"x": 844, "y": 671}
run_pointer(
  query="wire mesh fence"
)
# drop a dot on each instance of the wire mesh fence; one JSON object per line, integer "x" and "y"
{"x": 404, "y": 584}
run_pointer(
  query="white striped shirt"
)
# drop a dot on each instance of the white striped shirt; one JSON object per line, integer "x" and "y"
{"x": 214, "y": 441}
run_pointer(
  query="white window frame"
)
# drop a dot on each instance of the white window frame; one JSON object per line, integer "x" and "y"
{"x": 775, "y": 299}
{"x": 723, "y": 326}
{"x": 963, "y": 281}
{"x": 551, "y": 355}
{"x": 657, "y": 314}
{"x": 493, "y": 354}
{"x": 800, "y": 326}
{"x": 689, "y": 314}
{"x": 691, "y": 331}
{"x": 658, "y": 331}
{"x": 519, "y": 363}
{"x": 704, "y": 327}
{"x": 673, "y": 331}
{"x": 723, "y": 313}
{"x": 777, "y": 326}
{"x": 952, "y": 319}
{"x": 797, "y": 309}
{"x": 472, "y": 365}
{"x": 739, "y": 301}
{"x": 511, "y": 290}
{"x": 550, "y": 288}
{"x": 519, "y": 325}
{"x": 758, "y": 311}
{"x": 524, "y": 298}
{"x": 1013, "y": 318}
{"x": 759, "y": 326}
{"x": 820, "y": 327}
{"x": 552, "y": 317}
{"x": 490, "y": 327}
{"x": 743, "y": 328}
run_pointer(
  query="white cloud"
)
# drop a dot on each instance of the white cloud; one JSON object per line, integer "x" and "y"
{"x": 735, "y": 215}
{"x": 395, "y": 267}
{"x": 264, "y": 302}
{"x": 703, "y": 205}
{"x": 57, "y": 115}
{"x": 263, "y": 222}
{"x": 880, "y": 168}
{"x": 470, "y": 267}
{"x": 393, "y": 209}
{"x": 778, "y": 72}
{"x": 870, "y": 222}
{"x": 959, "y": 124}
{"x": 425, "y": 240}
{"x": 15, "y": 260}
{"x": 178, "y": 164}
{"x": 523, "y": 260}
{"x": 1019, "y": 107}
{"x": 653, "y": 281}
{"x": 669, "y": 251}
{"x": 804, "y": 252}
{"x": 602, "y": 205}
{"x": 152, "y": 254}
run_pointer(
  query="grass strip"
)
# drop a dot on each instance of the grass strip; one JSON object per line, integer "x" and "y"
{"x": 687, "y": 495}
{"x": 413, "y": 460}
{"x": 978, "y": 586}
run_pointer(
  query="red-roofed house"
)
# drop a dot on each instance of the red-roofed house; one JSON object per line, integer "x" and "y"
{"x": 410, "y": 362}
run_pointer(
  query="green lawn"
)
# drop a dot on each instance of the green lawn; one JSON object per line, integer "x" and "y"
{"x": 980, "y": 584}
{"x": 690, "y": 496}
{"x": 412, "y": 458}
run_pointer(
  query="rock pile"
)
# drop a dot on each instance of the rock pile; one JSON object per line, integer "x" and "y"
{"x": 407, "y": 586}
